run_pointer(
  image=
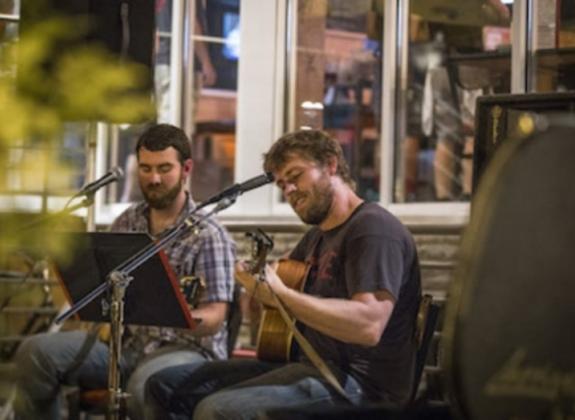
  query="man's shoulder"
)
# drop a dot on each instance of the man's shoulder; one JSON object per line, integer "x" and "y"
{"x": 129, "y": 215}
{"x": 213, "y": 228}
{"x": 370, "y": 212}
{"x": 372, "y": 218}
{"x": 137, "y": 207}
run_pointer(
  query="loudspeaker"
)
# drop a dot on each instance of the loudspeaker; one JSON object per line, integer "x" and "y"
{"x": 498, "y": 120}
{"x": 507, "y": 340}
{"x": 124, "y": 28}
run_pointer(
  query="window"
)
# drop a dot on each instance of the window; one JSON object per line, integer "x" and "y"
{"x": 456, "y": 52}
{"x": 356, "y": 68}
{"x": 337, "y": 81}
{"x": 554, "y": 46}
{"x": 39, "y": 173}
{"x": 212, "y": 114}
{"x": 208, "y": 95}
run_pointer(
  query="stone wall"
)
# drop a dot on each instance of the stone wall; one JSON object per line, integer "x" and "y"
{"x": 437, "y": 252}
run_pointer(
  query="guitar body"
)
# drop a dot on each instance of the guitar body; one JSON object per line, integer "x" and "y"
{"x": 275, "y": 339}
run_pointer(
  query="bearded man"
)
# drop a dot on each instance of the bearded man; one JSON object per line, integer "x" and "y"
{"x": 45, "y": 360}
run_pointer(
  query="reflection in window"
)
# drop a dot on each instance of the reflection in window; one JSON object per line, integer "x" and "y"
{"x": 337, "y": 81}
{"x": 555, "y": 45}
{"x": 457, "y": 52}
{"x": 216, "y": 46}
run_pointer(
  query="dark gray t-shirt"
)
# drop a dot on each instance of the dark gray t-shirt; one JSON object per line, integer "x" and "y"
{"x": 371, "y": 251}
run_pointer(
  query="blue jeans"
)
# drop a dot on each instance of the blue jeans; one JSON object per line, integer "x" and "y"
{"x": 240, "y": 389}
{"x": 43, "y": 360}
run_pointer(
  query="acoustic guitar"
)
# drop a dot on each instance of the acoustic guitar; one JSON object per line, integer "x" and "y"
{"x": 275, "y": 340}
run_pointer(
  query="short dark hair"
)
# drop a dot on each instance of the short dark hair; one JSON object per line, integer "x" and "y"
{"x": 161, "y": 136}
{"x": 315, "y": 145}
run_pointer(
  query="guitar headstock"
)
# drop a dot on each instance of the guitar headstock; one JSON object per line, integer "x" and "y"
{"x": 262, "y": 244}
{"x": 192, "y": 288}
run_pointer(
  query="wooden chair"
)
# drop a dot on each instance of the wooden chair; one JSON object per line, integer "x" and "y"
{"x": 427, "y": 317}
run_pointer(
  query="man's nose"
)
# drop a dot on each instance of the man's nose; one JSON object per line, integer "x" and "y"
{"x": 155, "y": 178}
{"x": 289, "y": 188}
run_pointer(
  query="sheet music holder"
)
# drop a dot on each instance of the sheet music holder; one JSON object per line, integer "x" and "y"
{"x": 154, "y": 297}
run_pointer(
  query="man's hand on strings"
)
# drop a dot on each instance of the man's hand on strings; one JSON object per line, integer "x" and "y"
{"x": 254, "y": 287}
{"x": 273, "y": 279}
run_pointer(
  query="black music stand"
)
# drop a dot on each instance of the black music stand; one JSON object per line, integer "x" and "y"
{"x": 154, "y": 299}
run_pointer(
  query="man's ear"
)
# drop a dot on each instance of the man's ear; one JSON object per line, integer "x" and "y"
{"x": 187, "y": 167}
{"x": 332, "y": 165}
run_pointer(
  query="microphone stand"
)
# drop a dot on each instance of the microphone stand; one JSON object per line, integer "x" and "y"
{"x": 118, "y": 280}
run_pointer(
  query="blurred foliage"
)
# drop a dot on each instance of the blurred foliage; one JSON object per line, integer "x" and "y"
{"x": 50, "y": 77}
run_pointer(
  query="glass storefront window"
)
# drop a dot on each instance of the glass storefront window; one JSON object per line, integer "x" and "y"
{"x": 46, "y": 167}
{"x": 457, "y": 51}
{"x": 35, "y": 166}
{"x": 554, "y": 46}
{"x": 337, "y": 80}
{"x": 213, "y": 108}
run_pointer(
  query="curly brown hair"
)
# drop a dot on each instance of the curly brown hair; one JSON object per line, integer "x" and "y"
{"x": 314, "y": 145}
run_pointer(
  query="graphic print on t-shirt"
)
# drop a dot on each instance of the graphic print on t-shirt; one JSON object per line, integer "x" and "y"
{"x": 325, "y": 269}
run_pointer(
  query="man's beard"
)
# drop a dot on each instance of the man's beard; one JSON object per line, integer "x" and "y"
{"x": 159, "y": 198}
{"x": 320, "y": 199}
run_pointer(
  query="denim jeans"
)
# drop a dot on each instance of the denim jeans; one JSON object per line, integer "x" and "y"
{"x": 240, "y": 389}
{"x": 43, "y": 359}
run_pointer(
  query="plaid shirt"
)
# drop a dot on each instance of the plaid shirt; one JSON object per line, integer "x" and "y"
{"x": 209, "y": 253}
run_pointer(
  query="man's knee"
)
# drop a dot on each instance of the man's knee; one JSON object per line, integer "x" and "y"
{"x": 29, "y": 353}
{"x": 156, "y": 392}
{"x": 29, "y": 346}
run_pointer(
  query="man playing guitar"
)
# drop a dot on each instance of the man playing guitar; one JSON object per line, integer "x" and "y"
{"x": 357, "y": 308}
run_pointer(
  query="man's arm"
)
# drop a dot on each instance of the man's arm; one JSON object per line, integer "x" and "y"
{"x": 214, "y": 262}
{"x": 212, "y": 314}
{"x": 359, "y": 320}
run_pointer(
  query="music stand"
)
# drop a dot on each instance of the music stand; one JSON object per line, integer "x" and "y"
{"x": 154, "y": 300}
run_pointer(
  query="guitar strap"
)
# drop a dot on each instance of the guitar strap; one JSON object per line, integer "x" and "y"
{"x": 308, "y": 349}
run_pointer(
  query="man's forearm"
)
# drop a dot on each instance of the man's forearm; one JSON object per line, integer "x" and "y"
{"x": 358, "y": 321}
{"x": 212, "y": 316}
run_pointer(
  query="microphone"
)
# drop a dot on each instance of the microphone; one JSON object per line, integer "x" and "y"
{"x": 256, "y": 182}
{"x": 238, "y": 189}
{"x": 114, "y": 175}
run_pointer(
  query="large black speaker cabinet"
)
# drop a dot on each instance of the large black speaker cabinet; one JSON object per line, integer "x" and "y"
{"x": 498, "y": 120}
{"x": 508, "y": 331}
{"x": 124, "y": 28}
